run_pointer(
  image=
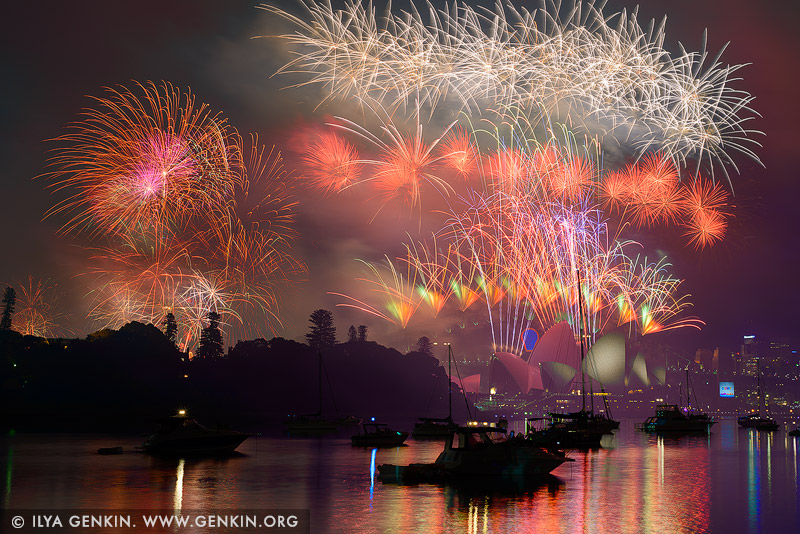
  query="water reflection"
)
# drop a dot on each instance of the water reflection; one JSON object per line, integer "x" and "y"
{"x": 734, "y": 481}
{"x": 178, "y": 501}
{"x": 9, "y": 475}
{"x": 729, "y": 437}
{"x": 753, "y": 480}
{"x": 372, "y": 476}
{"x": 794, "y": 463}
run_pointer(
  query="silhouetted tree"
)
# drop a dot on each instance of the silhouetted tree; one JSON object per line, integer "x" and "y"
{"x": 9, "y": 301}
{"x": 362, "y": 332}
{"x": 352, "y": 336}
{"x": 322, "y": 331}
{"x": 425, "y": 346}
{"x": 170, "y": 327}
{"x": 211, "y": 338}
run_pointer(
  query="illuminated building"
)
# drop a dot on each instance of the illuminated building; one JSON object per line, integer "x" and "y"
{"x": 748, "y": 357}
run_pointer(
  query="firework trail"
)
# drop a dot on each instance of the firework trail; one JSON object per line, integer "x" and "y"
{"x": 397, "y": 292}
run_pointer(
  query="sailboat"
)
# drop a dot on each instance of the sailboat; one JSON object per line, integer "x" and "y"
{"x": 316, "y": 423}
{"x": 439, "y": 427}
{"x": 755, "y": 420}
{"x": 670, "y": 418}
{"x": 583, "y": 429}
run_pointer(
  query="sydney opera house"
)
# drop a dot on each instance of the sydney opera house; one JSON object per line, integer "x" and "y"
{"x": 612, "y": 364}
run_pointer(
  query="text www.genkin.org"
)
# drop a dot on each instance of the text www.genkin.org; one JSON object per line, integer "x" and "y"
{"x": 290, "y": 521}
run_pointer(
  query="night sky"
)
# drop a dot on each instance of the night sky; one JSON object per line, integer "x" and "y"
{"x": 56, "y": 53}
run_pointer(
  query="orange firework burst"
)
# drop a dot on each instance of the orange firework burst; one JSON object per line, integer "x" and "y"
{"x": 704, "y": 195}
{"x": 405, "y": 163}
{"x": 331, "y": 163}
{"x": 402, "y": 170}
{"x": 705, "y": 204}
{"x": 654, "y": 192}
{"x": 571, "y": 178}
{"x": 508, "y": 169}
{"x": 459, "y": 153}
{"x": 615, "y": 190}
{"x": 706, "y": 228}
{"x": 140, "y": 160}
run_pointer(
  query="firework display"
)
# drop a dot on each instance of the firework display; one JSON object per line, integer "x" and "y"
{"x": 39, "y": 308}
{"x": 181, "y": 214}
{"x": 537, "y": 145}
{"x": 531, "y": 100}
{"x": 569, "y": 63}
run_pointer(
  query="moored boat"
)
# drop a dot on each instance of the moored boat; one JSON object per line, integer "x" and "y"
{"x": 574, "y": 430}
{"x": 478, "y": 452}
{"x": 317, "y": 423}
{"x": 670, "y": 418}
{"x": 378, "y": 435}
{"x": 181, "y": 434}
{"x": 431, "y": 427}
{"x": 439, "y": 427}
{"x": 757, "y": 422}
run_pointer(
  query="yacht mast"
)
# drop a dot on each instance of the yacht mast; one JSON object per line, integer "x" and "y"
{"x": 580, "y": 330}
{"x": 449, "y": 383}
{"x": 688, "y": 395}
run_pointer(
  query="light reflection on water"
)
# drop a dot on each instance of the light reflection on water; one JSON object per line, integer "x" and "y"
{"x": 733, "y": 481}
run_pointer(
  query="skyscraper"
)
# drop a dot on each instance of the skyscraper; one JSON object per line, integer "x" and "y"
{"x": 748, "y": 357}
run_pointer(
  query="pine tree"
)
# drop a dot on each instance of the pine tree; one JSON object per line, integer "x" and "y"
{"x": 352, "y": 336}
{"x": 170, "y": 327}
{"x": 362, "y": 332}
{"x": 9, "y": 301}
{"x": 322, "y": 332}
{"x": 211, "y": 338}
{"x": 425, "y": 346}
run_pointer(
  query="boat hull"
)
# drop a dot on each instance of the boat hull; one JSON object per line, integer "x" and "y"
{"x": 670, "y": 419}
{"x": 506, "y": 459}
{"x": 473, "y": 453}
{"x": 220, "y": 444}
{"x": 379, "y": 441}
{"x": 433, "y": 430}
{"x": 183, "y": 435}
{"x": 765, "y": 424}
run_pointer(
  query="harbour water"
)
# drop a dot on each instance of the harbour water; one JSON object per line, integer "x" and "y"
{"x": 734, "y": 480}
